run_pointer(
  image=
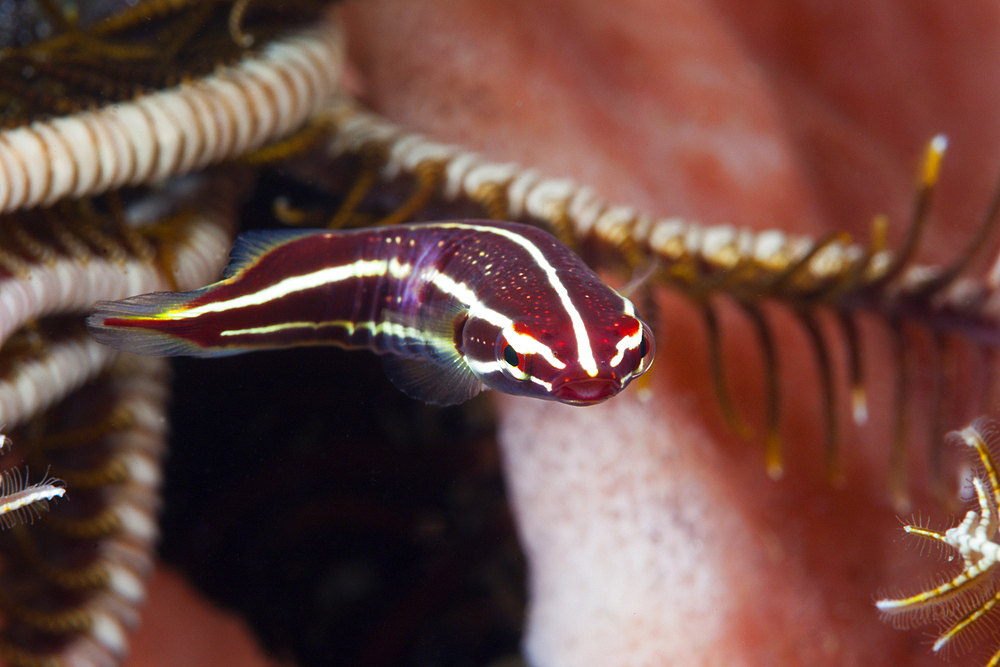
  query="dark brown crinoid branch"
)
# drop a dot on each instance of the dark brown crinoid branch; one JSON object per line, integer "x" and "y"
{"x": 811, "y": 277}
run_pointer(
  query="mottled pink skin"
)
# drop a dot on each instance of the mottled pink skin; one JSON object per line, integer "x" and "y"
{"x": 655, "y": 536}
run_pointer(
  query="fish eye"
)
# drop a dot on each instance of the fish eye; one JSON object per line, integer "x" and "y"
{"x": 512, "y": 361}
{"x": 511, "y": 356}
{"x": 647, "y": 350}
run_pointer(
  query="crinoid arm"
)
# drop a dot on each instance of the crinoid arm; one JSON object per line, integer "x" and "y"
{"x": 832, "y": 285}
{"x": 21, "y": 501}
{"x": 963, "y": 605}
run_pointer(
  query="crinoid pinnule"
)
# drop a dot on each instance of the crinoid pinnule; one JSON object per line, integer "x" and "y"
{"x": 20, "y": 500}
{"x": 964, "y": 603}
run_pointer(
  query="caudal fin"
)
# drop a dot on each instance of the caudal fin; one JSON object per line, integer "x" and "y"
{"x": 138, "y": 325}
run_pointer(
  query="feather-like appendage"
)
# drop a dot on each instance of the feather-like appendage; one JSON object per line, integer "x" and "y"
{"x": 20, "y": 500}
{"x": 961, "y": 603}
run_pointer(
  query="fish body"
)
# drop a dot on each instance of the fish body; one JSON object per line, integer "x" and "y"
{"x": 454, "y": 307}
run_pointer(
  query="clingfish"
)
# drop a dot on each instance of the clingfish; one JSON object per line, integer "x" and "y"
{"x": 453, "y": 307}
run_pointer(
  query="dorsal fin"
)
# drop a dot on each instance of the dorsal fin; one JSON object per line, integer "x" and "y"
{"x": 250, "y": 246}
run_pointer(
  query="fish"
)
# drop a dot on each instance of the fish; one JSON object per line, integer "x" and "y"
{"x": 453, "y": 307}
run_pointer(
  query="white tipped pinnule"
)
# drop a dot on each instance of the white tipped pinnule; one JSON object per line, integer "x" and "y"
{"x": 933, "y": 159}
{"x": 23, "y": 502}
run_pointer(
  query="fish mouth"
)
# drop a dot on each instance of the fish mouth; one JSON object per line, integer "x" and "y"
{"x": 586, "y": 391}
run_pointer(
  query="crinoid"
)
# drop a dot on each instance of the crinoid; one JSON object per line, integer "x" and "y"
{"x": 963, "y": 605}
{"x": 95, "y": 98}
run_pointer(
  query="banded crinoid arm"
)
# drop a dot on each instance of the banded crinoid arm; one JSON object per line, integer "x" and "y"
{"x": 750, "y": 267}
{"x": 74, "y": 583}
{"x": 96, "y": 128}
{"x": 73, "y": 586}
{"x": 94, "y": 104}
{"x": 58, "y": 262}
{"x": 963, "y": 606}
{"x": 92, "y": 107}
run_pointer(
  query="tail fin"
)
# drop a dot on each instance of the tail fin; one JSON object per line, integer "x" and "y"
{"x": 138, "y": 325}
